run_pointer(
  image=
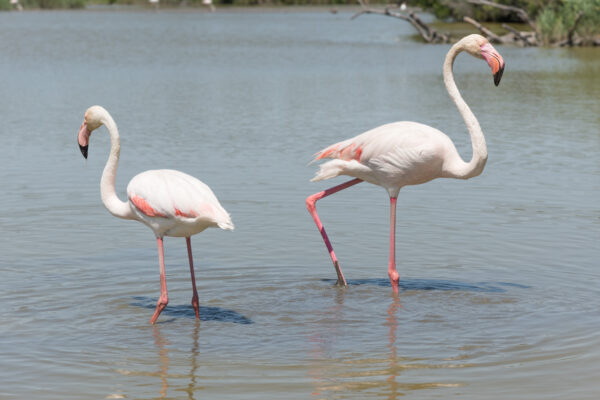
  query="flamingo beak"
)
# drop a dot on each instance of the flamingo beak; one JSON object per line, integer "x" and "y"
{"x": 498, "y": 75}
{"x": 83, "y": 139}
{"x": 494, "y": 60}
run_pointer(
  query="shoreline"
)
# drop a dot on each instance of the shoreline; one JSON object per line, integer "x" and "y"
{"x": 201, "y": 8}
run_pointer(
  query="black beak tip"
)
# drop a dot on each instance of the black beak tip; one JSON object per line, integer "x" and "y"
{"x": 84, "y": 151}
{"x": 498, "y": 76}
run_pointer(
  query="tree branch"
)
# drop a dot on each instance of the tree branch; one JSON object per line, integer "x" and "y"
{"x": 519, "y": 11}
{"x": 492, "y": 37}
{"x": 518, "y": 35}
{"x": 428, "y": 34}
{"x": 572, "y": 30}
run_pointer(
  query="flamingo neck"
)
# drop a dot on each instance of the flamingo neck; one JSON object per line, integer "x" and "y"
{"x": 110, "y": 200}
{"x": 459, "y": 168}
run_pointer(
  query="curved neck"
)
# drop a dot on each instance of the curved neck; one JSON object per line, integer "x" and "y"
{"x": 110, "y": 200}
{"x": 461, "y": 169}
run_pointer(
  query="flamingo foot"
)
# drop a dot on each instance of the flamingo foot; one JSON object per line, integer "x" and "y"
{"x": 162, "y": 303}
{"x": 196, "y": 306}
{"x": 394, "y": 280}
{"x": 341, "y": 281}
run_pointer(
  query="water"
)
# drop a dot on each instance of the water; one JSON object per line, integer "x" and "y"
{"x": 499, "y": 292}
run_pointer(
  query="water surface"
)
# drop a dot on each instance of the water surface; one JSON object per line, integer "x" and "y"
{"x": 499, "y": 274}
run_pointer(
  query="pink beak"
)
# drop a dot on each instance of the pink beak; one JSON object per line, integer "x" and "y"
{"x": 83, "y": 138}
{"x": 494, "y": 60}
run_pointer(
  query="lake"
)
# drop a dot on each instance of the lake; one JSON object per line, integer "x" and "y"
{"x": 499, "y": 292}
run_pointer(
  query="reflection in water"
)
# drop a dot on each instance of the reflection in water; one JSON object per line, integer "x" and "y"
{"x": 161, "y": 344}
{"x": 183, "y": 371}
{"x": 163, "y": 356}
{"x": 194, "y": 360}
{"x": 323, "y": 340}
{"x": 392, "y": 323}
{"x": 348, "y": 375}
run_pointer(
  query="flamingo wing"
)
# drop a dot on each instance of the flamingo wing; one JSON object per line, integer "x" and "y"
{"x": 404, "y": 153}
{"x": 174, "y": 194}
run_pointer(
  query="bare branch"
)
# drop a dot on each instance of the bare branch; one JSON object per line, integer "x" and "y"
{"x": 572, "y": 30}
{"x": 519, "y": 11}
{"x": 492, "y": 37}
{"x": 428, "y": 34}
{"x": 518, "y": 35}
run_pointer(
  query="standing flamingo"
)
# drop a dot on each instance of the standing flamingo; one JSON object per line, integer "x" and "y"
{"x": 169, "y": 202}
{"x": 407, "y": 153}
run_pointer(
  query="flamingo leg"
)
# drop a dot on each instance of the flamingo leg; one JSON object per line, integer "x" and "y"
{"x": 195, "y": 295}
{"x": 163, "y": 300}
{"x": 392, "y": 272}
{"x": 311, "y": 205}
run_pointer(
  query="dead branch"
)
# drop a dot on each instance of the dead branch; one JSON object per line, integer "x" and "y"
{"x": 519, "y": 11}
{"x": 492, "y": 37}
{"x": 428, "y": 34}
{"x": 526, "y": 38}
{"x": 571, "y": 31}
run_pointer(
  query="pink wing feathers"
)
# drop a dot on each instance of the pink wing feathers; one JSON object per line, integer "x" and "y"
{"x": 346, "y": 150}
{"x": 171, "y": 194}
{"x": 391, "y": 155}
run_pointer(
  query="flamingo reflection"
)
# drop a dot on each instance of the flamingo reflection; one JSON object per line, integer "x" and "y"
{"x": 392, "y": 323}
{"x": 163, "y": 355}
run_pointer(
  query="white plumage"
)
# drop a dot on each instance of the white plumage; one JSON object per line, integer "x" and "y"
{"x": 186, "y": 204}
{"x": 170, "y": 202}
{"x": 407, "y": 153}
{"x": 392, "y": 156}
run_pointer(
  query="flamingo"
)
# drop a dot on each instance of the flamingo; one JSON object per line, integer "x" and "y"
{"x": 406, "y": 153}
{"x": 169, "y": 202}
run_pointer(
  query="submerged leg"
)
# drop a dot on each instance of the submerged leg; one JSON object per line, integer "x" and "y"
{"x": 163, "y": 300}
{"x": 310, "y": 204}
{"x": 195, "y": 295}
{"x": 392, "y": 272}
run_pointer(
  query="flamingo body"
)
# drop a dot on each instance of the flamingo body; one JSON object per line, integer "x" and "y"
{"x": 173, "y": 203}
{"x": 392, "y": 156}
{"x": 169, "y": 202}
{"x": 407, "y": 153}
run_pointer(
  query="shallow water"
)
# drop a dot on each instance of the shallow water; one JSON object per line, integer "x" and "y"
{"x": 499, "y": 275}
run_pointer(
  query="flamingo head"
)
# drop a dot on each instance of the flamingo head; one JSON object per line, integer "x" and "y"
{"x": 480, "y": 47}
{"x": 92, "y": 120}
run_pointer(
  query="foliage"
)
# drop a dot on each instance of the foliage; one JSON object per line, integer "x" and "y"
{"x": 52, "y": 4}
{"x": 555, "y": 20}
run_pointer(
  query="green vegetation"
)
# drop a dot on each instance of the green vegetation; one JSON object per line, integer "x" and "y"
{"x": 52, "y": 4}
{"x": 46, "y": 4}
{"x": 574, "y": 22}
{"x": 555, "y": 21}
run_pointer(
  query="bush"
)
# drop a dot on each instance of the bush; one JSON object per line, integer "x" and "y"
{"x": 555, "y": 20}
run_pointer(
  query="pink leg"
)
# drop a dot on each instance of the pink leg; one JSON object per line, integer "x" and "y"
{"x": 164, "y": 298}
{"x": 310, "y": 204}
{"x": 195, "y": 295}
{"x": 392, "y": 272}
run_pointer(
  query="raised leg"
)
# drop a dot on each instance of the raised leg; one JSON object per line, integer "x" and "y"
{"x": 195, "y": 295}
{"x": 392, "y": 272}
{"x": 310, "y": 204}
{"x": 163, "y": 300}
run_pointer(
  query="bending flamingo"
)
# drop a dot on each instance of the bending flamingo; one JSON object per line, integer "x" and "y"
{"x": 407, "y": 153}
{"x": 169, "y": 202}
